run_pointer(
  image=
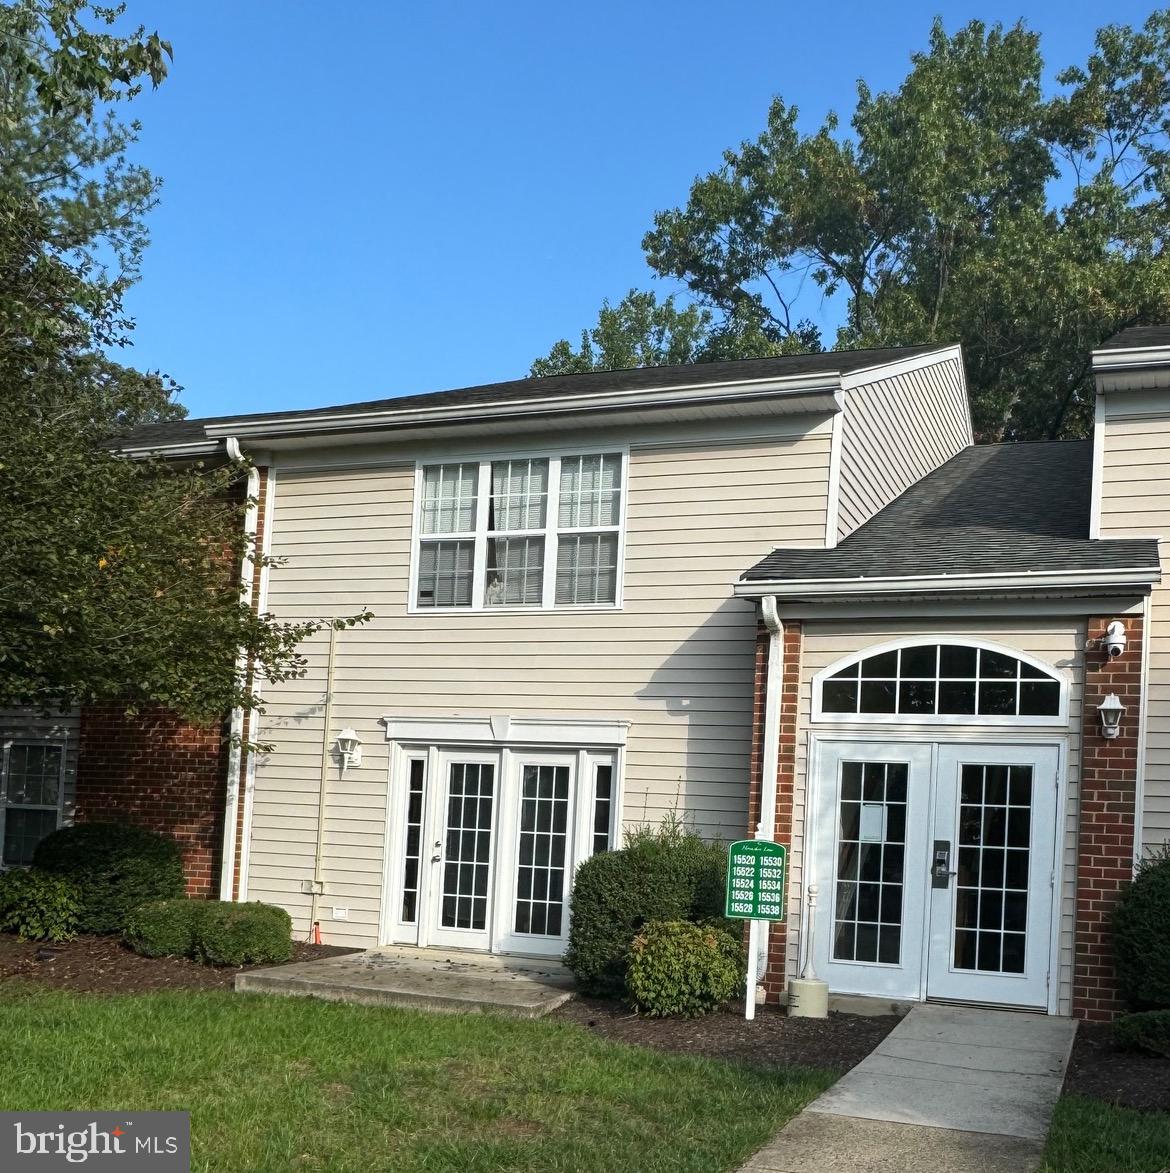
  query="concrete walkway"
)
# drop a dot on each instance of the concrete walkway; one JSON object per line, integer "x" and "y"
{"x": 950, "y": 1089}
{"x": 422, "y": 979}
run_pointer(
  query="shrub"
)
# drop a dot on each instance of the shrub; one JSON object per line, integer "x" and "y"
{"x": 239, "y": 934}
{"x": 1148, "y": 1031}
{"x": 116, "y": 866}
{"x": 664, "y": 875}
{"x": 164, "y": 928}
{"x": 676, "y": 967}
{"x": 38, "y": 905}
{"x": 1141, "y": 935}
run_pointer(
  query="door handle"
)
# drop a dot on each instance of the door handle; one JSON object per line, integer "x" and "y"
{"x": 940, "y": 870}
{"x": 436, "y": 858}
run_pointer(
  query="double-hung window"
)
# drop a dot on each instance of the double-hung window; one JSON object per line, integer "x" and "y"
{"x": 521, "y": 532}
{"x": 31, "y": 782}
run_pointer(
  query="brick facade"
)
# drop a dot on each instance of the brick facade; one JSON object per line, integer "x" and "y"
{"x": 774, "y": 978}
{"x": 157, "y": 771}
{"x": 1105, "y": 844}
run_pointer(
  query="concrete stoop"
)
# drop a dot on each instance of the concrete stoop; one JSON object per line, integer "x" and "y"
{"x": 422, "y": 979}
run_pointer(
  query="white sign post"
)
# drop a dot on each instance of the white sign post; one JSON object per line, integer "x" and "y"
{"x": 756, "y": 874}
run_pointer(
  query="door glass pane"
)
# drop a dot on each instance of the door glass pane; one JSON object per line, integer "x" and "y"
{"x": 540, "y": 868}
{"x": 871, "y": 833}
{"x": 467, "y": 854}
{"x": 602, "y": 806}
{"x": 414, "y": 811}
{"x": 991, "y": 897}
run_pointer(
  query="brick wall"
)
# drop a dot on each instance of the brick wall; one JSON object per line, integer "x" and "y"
{"x": 1106, "y": 833}
{"x": 774, "y": 978}
{"x": 157, "y": 771}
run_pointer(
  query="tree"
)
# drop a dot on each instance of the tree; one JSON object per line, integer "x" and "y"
{"x": 641, "y": 331}
{"x": 966, "y": 206}
{"x": 119, "y": 578}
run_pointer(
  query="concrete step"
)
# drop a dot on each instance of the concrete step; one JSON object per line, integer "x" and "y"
{"x": 422, "y": 979}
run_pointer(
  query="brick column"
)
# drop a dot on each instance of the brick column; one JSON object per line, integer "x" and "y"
{"x": 773, "y": 978}
{"x": 1105, "y": 841}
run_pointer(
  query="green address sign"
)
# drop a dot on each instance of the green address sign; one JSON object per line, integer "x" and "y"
{"x": 756, "y": 871}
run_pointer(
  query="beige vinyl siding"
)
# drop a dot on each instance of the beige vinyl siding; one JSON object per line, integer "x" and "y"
{"x": 893, "y": 432}
{"x": 1057, "y": 642}
{"x": 1135, "y": 502}
{"x": 676, "y": 661}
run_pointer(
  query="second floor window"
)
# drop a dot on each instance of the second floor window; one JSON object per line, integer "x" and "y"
{"x": 524, "y": 532}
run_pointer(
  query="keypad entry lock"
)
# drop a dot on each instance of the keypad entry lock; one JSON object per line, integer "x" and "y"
{"x": 940, "y": 870}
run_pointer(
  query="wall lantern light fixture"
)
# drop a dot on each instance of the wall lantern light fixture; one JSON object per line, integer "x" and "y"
{"x": 349, "y": 747}
{"x": 1111, "y": 710}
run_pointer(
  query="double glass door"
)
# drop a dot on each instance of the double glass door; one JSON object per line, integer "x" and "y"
{"x": 935, "y": 866}
{"x": 484, "y": 845}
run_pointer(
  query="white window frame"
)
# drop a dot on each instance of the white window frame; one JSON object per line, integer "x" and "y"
{"x": 820, "y": 717}
{"x": 5, "y": 805}
{"x": 550, "y": 533}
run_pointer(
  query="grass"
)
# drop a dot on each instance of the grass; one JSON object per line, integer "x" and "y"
{"x": 291, "y": 1084}
{"x": 1088, "y": 1136}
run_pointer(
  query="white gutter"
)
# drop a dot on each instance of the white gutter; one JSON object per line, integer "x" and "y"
{"x": 826, "y": 385}
{"x": 247, "y": 576}
{"x": 1140, "y": 576}
{"x": 770, "y": 753}
{"x": 1136, "y": 357}
{"x": 176, "y": 450}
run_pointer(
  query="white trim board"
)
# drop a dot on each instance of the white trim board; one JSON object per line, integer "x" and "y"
{"x": 503, "y": 729}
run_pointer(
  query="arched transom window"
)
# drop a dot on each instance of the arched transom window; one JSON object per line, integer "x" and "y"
{"x": 940, "y": 681}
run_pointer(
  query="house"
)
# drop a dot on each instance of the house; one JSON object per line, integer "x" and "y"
{"x": 786, "y": 595}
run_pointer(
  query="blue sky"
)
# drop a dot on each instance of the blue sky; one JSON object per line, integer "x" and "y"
{"x": 369, "y": 199}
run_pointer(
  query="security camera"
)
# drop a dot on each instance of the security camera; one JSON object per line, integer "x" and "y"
{"x": 1114, "y": 640}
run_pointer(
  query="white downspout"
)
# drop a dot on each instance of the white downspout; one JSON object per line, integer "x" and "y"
{"x": 770, "y": 759}
{"x": 235, "y": 753}
{"x": 319, "y": 855}
{"x": 769, "y": 763}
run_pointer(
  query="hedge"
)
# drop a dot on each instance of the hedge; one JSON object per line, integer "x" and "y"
{"x": 663, "y": 876}
{"x": 38, "y": 906}
{"x": 1141, "y": 935}
{"x": 676, "y": 967}
{"x": 242, "y": 934}
{"x": 117, "y": 867}
{"x": 164, "y": 928}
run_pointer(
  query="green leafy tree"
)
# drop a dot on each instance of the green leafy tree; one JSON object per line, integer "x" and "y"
{"x": 641, "y": 331}
{"x": 120, "y": 577}
{"x": 968, "y": 205}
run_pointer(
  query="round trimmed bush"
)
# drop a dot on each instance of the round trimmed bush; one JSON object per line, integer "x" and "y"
{"x": 117, "y": 868}
{"x": 1141, "y": 935}
{"x": 38, "y": 906}
{"x": 242, "y": 934}
{"x": 164, "y": 928}
{"x": 1147, "y": 1031}
{"x": 666, "y": 875}
{"x": 676, "y": 967}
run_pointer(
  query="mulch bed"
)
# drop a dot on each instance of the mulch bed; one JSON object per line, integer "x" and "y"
{"x": 836, "y": 1043}
{"x": 103, "y": 965}
{"x": 1104, "y": 1072}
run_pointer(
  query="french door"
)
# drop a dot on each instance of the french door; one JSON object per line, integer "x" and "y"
{"x": 483, "y": 846}
{"x": 935, "y": 867}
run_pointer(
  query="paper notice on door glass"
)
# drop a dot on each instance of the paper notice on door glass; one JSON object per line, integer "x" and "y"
{"x": 873, "y": 822}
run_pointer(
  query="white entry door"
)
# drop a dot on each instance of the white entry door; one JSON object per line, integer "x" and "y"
{"x": 462, "y": 855}
{"x": 482, "y": 847}
{"x": 992, "y": 874}
{"x": 935, "y": 869}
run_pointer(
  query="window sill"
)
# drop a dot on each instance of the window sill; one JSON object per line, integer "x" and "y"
{"x": 563, "y": 609}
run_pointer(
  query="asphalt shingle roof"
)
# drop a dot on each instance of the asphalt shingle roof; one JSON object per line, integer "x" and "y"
{"x": 1138, "y": 338}
{"x": 639, "y": 378}
{"x": 991, "y": 508}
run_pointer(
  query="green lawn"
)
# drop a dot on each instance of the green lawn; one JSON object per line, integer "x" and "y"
{"x": 287, "y": 1084}
{"x": 1090, "y": 1137}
